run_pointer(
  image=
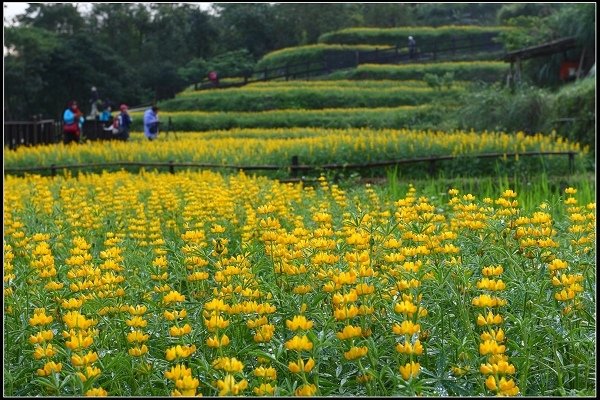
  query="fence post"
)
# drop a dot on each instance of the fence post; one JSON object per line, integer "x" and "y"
{"x": 293, "y": 168}
{"x": 287, "y": 71}
{"x": 432, "y": 167}
{"x": 171, "y": 167}
{"x": 571, "y": 162}
{"x": 53, "y": 169}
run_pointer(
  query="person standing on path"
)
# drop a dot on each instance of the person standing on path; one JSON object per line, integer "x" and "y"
{"x": 151, "y": 123}
{"x": 412, "y": 47}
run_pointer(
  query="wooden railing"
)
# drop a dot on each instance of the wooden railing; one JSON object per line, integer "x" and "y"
{"x": 49, "y": 131}
{"x": 295, "y": 167}
{"x": 429, "y": 50}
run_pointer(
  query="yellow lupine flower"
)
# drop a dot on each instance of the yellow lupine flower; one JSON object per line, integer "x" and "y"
{"x": 264, "y": 389}
{"x": 407, "y": 348}
{"x": 490, "y": 319}
{"x": 96, "y": 392}
{"x": 44, "y": 352}
{"x": 216, "y": 322}
{"x": 136, "y": 322}
{"x": 356, "y": 352}
{"x": 299, "y": 343}
{"x": 179, "y": 352}
{"x": 301, "y": 366}
{"x": 410, "y": 370}
{"x": 215, "y": 342}
{"x": 406, "y": 328}
{"x": 40, "y": 318}
{"x": 228, "y": 364}
{"x": 137, "y": 336}
{"x": 491, "y": 347}
{"x": 177, "y": 372}
{"x": 187, "y": 385}
{"x": 138, "y": 351}
{"x": 180, "y": 331}
{"x": 349, "y": 332}
{"x": 79, "y": 361}
{"x": 268, "y": 373}
{"x": 306, "y": 390}
{"x": 264, "y": 333}
{"x": 228, "y": 386}
{"x": 173, "y": 297}
{"x": 173, "y": 315}
{"x": 299, "y": 322}
{"x": 41, "y": 337}
{"x": 49, "y": 368}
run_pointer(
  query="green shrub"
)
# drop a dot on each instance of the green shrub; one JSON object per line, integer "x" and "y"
{"x": 574, "y": 112}
{"x": 498, "y": 108}
{"x": 259, "y": 99}
{"x": 312, "y": 53}
{"x": 425, "y": 36}
{"x": 420, "y": 117}
{"x": 487, "y": 71}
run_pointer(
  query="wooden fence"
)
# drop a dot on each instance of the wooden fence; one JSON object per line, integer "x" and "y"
{"x": 49, "y": 131}
{"x": 329, "y": 62}
{"x": 295, "y": 167}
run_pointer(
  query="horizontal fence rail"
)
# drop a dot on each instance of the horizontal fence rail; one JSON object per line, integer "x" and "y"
{"x": 49, "y": 131}
{"x": 427, "y": 50}
{"x": 295, "y": 167}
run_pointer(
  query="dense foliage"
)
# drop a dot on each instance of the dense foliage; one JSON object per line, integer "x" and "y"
{"x": 138, "y": 53}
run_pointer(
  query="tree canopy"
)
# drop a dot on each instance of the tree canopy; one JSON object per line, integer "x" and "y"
{"x": 139, "y": 53}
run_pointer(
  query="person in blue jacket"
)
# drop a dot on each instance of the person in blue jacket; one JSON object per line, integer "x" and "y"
{"x": 151, "y": 123}
{"x": 72, "y": 123}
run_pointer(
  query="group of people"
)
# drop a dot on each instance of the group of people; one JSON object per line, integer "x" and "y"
{"x": 119, "y": 125}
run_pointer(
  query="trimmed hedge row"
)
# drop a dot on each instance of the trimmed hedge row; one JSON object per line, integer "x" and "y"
{"x": 261, "y": 99}
{"x": 488, "y": 71}
{"x": 422, "y": 34}
{"x": 419, "y": 117}
{"x": 312, "y": 53}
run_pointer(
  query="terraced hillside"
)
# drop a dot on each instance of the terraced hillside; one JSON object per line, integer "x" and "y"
{"x": 400, "y": 95}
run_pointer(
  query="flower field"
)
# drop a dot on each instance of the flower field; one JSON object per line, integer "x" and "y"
{"x": 315, "y": 146}
{"x": 200, "y": 283}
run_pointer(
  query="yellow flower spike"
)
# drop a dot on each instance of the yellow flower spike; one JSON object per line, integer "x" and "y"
{"x": 299, "y": 343}
{"x": 138, "y": 351}
{"x": 306, "y": 390}
{"x": 177, "y": 372}
{"x": 136, "y": 322}
{"x": 349, "y": 332}
{"x": 264, "y": 389}
{"x": 96, "y": 392}
{"x": 187, "y": 385}
{"x": 490, "y": 383}
{"x": 264, "y": 333}
{"x": 299, "y": 322}
{"x": 268, "y": 373}
{"x": 228, "y": 364}
{"x": 180, "y": 331}
{"x": 173, "y": 297}
{"x": 49, "y": 368}
{"x": 356, "y": 352}
{"x": 406, "y": 328}
{"x": 215, "y": 342}
{"x": 137, "y": 336}
{"x": 410, "y": 370}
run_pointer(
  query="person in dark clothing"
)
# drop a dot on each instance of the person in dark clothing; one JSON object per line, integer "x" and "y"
{"x": 412, "y": 47}
{"x": 124, "y": 123}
